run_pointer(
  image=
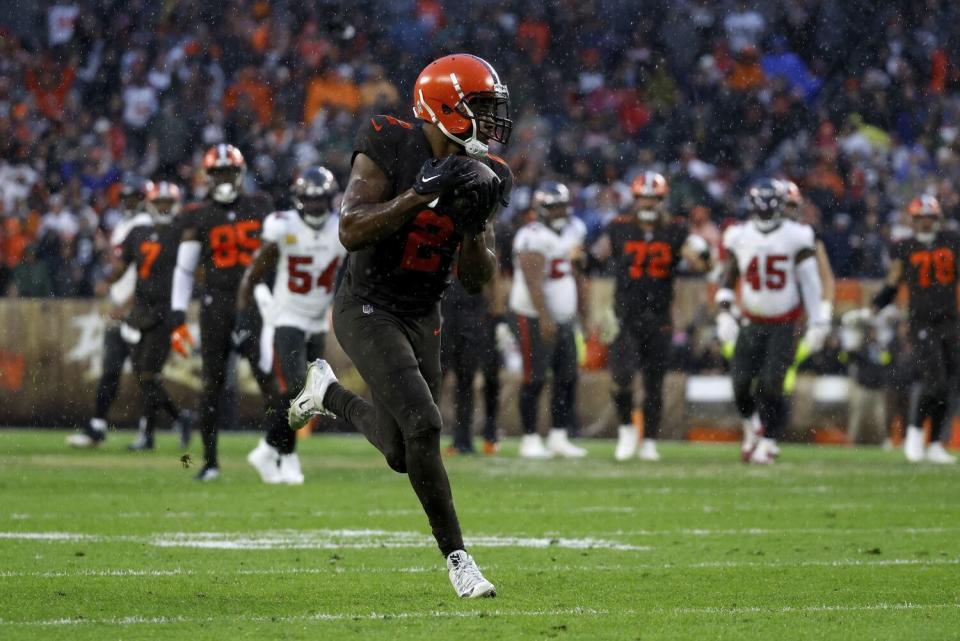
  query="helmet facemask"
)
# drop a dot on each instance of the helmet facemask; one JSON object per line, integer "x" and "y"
{"x": 163, "y": 210}
{"x": 315, "y": 210}
{"x": 925, "y": 228}
{"x": 225, "y": 183}
{"x": 648, "y": 209}
{"x": 488, "y": 113}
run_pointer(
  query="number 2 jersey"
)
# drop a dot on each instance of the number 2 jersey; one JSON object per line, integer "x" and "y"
{"x": 645, "y": 266}
{"x": 407, "y": 271}
{"x": 229, "y": 234}
{"x": 306, "y": 270}
{"x": 769, "y": 289}
{"x": 152, "y": 250}
{"x": 930, "y": 271}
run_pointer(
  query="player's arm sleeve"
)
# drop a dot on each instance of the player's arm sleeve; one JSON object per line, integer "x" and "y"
{"x": 274, "y": 228}
{"x": 188, "y": 257}
{"x": 811, "y": 290}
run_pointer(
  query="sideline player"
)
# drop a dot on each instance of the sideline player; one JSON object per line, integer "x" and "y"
{"x": 771, "y": 256}
{"x": 303, "y": 246}
{"x": 403, "y": 235}
{"x": 927, "y": 262}
{"x": 544, "y": 303}
{"x": 647, "y": 249}
{"x": 152, "y": 249}
{"x": 221, "y": 233}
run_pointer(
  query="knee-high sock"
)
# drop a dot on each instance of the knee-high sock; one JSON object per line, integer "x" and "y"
{"x": 529, "y": 398}
{"x": 429, "y": 480}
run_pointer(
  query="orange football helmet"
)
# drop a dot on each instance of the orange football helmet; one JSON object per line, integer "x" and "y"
{"x": 225, "y": 168}
{"x": 924, "y": 206}
{"x": 463, "y": 96}
{"x": 162, "y": 201}
{"x": 647, "y": 186}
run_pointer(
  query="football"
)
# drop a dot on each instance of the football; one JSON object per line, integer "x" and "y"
{"x": 466, "y": 205}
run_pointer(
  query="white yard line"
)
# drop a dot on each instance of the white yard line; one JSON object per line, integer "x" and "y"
{"x": 315, "y": 617}
{"x": 333, "y": 569}
{"x": 320, "y": 617}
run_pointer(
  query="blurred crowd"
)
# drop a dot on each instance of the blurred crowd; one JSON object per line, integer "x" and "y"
{"x": 856, "y": 101}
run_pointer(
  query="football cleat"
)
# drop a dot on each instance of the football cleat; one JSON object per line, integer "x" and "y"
{"x": 531, "y": 446}
{"x": 309, "y": 402}
{"x": 92, "y": 435}
{"x": 144, "y": 440}
{"x": 913, "y": 444}
{"x": 265, "y": 459}
{"x": 466, "y": 578}
{"x": 752, "y": 431}
{"x": 559, "y": 443}
{"x": 184, "y": 427}
{"x": 290, "y": 470}
{"x": 207, "y": 474}
{"x": 761, "y": 453}
{"x": 627, "y": 438}
{"x": 491, "y": 448}
{"x": 936, "y": 453}
{"x": 648, "y": 450}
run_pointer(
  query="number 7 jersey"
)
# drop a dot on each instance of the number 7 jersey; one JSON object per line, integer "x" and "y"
{"x": 306, "y": 270}
{"x": 769, "y": 290}
{"x": 930, "y": 271}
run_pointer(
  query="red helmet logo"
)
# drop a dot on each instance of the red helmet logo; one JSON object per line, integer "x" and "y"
{"x": 924, "y": 206}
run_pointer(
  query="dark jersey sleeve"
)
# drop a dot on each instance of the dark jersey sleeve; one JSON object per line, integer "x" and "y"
{"x": 379, "y": 140}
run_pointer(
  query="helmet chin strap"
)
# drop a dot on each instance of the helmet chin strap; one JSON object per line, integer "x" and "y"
{"x": 316, "y": 220}
{"x": 648, "y": 215}
{"x": 766, "y": 225}
{"x": 926, "y": 237}
{"x": 472, "y": 145}
{"x": 224, "y": 193}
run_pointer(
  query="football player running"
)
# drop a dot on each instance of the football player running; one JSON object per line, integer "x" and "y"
{"x": 419, "y": 197}
{"x": 927, "y": 263}
{"x": 303, "y": 246}
{"x": 152, "y": 249}
{"x": 646, "y": 249}
{"x": 221, "y": 234}
{"x": 544, "y": 304}
{"x": 772, "y": 257}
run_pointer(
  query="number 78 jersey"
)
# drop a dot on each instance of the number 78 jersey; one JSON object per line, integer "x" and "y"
{"x": 306, "y": 270}
{"x": 769, "y": 290}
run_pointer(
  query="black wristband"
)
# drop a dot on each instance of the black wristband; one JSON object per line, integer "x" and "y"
{"x": 177, "y": 318}
{"x": 885, "y": 296}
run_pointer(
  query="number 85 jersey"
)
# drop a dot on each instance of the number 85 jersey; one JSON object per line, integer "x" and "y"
{"x": 306, "y": 270}
{"x": 769, "y": 290}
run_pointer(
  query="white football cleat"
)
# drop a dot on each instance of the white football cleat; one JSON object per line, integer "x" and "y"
{"x": 309, "y": 402}
{"x": 913, "y": 444}
{"x": 648, "y": 450}
{"x": 466, "y": 578}
{"x": 265, "y": 459}
{"x": 207, "y": 474}
{"x": 93, "y": 434}
{"x": 752, "y": 431}
{"x": 531, "y": 446}
{"x": 559, "y": 443}
{"x": 290, "y": 471}
{"x": 936, "y": 453}
{"x": 627, "y": 437}
{"x": 761, "y": 453}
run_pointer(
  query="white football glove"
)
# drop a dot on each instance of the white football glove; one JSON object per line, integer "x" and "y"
{"x": 816, "y": 336}
{"x": 728, "y": 327}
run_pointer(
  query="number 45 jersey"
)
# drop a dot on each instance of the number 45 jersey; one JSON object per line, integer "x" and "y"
{"x": 407, "y": 271}
{"x": 306, "y": 270}
{"x": 769, "y": 291}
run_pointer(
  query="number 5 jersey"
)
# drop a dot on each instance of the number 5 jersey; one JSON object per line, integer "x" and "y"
{"x": 769, "y": 290}
{"x": 306, "y": 270}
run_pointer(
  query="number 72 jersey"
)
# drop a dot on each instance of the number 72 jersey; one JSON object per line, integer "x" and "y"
{"x": 769, "y": 290}
{"x": 306, "y": 270}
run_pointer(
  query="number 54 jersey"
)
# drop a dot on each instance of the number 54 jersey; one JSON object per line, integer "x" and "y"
{"x": 769, "y": 290}
{"x": 306, "y": 270}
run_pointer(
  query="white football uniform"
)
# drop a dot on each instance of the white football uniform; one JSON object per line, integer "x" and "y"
{"x": 306, "y": 270}
{"x": 559, "y": 286}
{"x": 769, "y": 289}
{"x": 123, "y": 289}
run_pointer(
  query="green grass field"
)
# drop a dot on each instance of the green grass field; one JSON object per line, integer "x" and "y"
{"x": 830, "y": 543}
